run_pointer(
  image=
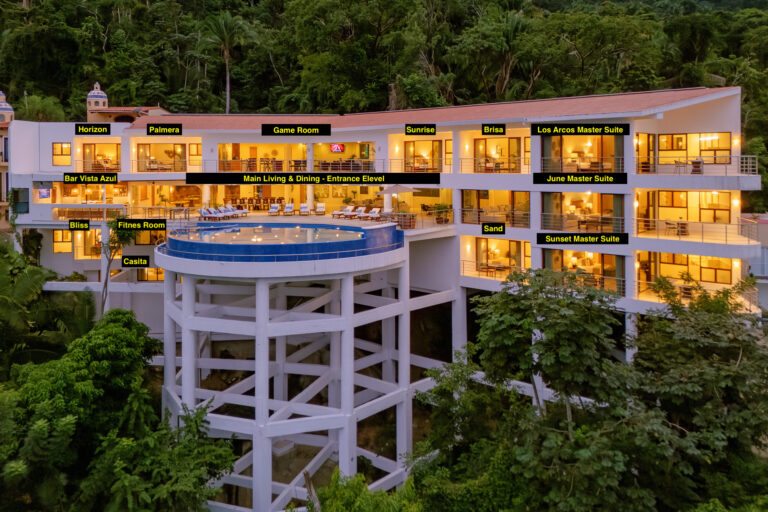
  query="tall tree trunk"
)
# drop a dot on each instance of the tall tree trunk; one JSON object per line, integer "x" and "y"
{"x": 226, "y": 68}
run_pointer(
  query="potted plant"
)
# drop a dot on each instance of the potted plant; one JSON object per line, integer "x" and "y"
{"x": 406, "y": 219}
{"x": 442, "y": 215}
{"x": 346, "y": 200}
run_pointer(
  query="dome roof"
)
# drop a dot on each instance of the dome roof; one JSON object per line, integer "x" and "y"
{"x": 97, "y": 93}
{"x": 4, "y": 105}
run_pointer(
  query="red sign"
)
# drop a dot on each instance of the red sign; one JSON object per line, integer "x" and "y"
{"x": 337, "y": 148}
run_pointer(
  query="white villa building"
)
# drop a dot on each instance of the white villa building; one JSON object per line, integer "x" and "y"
{"x": 311, "y": 314}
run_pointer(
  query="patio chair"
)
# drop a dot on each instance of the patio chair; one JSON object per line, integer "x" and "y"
{"x": 303, "y": 209}
{"x": 240, "y": 212}
{"x": 341, "y": 213}
{"x": 371, "y": 215}
{"x": 320, "y": 210}
{"x": 274, "y": 209}
{"x": 215, "y": 214}
{"x": 354, "y": 214}
{"x": 288, "y": 210}
{"x": 204, "y": 215}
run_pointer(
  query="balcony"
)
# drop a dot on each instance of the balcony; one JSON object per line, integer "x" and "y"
{"x": 108, "y": 212}
{"x": 101, "y": 165}
{"x": 687, "y": 291}
{"x": 487, "y": 271}
{"x": 582, "y": 223}
{"x": 152, "y": 165}
{"x": 418, "y": 165}
{"x": 595, "y": 164}
{"x": 511, "y": 218}
{"x": 744, "y": 233}
{"x": 512, "y": 165}
{"x": 706, "y": 165}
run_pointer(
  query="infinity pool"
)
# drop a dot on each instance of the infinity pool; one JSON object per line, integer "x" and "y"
{"x": 269, "y": 235}
{"x": 246, "y": 242}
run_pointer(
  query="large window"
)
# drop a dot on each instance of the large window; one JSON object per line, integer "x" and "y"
{"x": 715, "y": 147}
{"x": 62, "y": 240}
{"x": 498, "y": 154}
{"x": 424, "y": 156}
{"x": 673, "y": 199}
{"x": 88, "y": 244}
{"x": 715, "y": 206}
{"x": 101, "y": 157}
{"x": 582, "y": 153}
{"x": 149, "y": 274}
{"x": 149, "y": 237}
{"x": 62, "y": 153}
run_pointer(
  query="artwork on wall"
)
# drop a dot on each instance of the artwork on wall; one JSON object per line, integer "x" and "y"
{"x": 322, "y": 191}
{"x": 339, "y": 192}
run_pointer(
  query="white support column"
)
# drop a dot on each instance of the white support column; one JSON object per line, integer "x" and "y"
{"x": 206, "y": 195}
{"x": 348, "y": 433}
{"x": 387, "y": 202}
{"x": 456, "y": 156}
{"x": 535, "y": 216}
{"x": 262, "y": 446}
{"x": 310, "y": 156}
{"x": 188, "y": 342}
{"x": 169, "y": 333}
{"x": 459, "y": 320}
{"x": 404, "y": 409}
{"x": 204, "y": 339}
{"x": 311, "y": 197}
{"x": 280, "y": 379}
{"x": 388, "y": 329}
{"x": 334, "y": 387}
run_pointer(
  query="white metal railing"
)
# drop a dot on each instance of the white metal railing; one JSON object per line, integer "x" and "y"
{"x": 744, "y": 232}
{"x": 418, "y": 165}
{"x": 108, "y": 212}
{"x": 511, "y": 218}
{"x": 497, "y": 272}
{"x": 686, "y": 292}
{"x": 706, "y": 165}
{"x": 605, "y": 164}
{"x": 582, "y": 223}
{"x": 97, "y": 165}
{"x": 484, "y": 165}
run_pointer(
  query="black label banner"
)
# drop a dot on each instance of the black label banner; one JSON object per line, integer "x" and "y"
{"x": 579, "y": 129}
{"x": 79, "y": 225}
{"x": 494, "y": 129}
{"x": 135, "y": 261}
{"x": 582, "y": 238}
{"x": 579, "y": 178}
{"x": 141, "y": 224}
{"x": 164, "y": 129}
{"x": 90, "y": 177}
{"x": 91, "y": 129}
{"x": 296, "y": 178}
{"x": 421, "y": 129}
{"x": 295, "y": 129}
{"x": 492, "y": 228}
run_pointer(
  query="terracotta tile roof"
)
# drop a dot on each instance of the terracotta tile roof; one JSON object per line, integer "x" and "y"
{"x": 5, "y": 124}
{"x": 125, "y": 109}
{"x": 616, "y": 105}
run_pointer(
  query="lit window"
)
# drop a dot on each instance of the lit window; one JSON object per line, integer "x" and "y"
{"x": 62, "y": 153}
{"x": 149, "y": 274}
{"x": 195, "y": 149}
{"x": 62, "y": 240}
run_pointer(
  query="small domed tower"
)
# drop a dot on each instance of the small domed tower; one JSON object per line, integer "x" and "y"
{"x": 97, "y": 98}
{"x": 6, "y": 110}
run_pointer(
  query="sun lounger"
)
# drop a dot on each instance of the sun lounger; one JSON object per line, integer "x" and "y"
{"x": 341, "y": 213}
{"x": 320, "y": 210}
{"x": 355, "y": 214}
{"x": 274, "y": 209}
{"x": 303, "y": 209}
{"x": 288, "y": 210}
{"x": 371, "y": 215}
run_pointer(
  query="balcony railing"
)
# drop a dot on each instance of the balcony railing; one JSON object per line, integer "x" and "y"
{"x": 744, "y": 233}
{"x": 511, "y": 218}
{"x": 706, "y": 165}
{"x": 496, "y": 271}
{"x": 748, "y": 298}
{"x": 418, "y": 165}
{"x": 152, "y": 165}
{"x": 605, "y": 164}
{"x": 421, "y": 220}
{"x": 513, "y": 165}
{"x": 582, "y": 223}
{"x": 108, "y": 212}
{"x": 100, "y": 165}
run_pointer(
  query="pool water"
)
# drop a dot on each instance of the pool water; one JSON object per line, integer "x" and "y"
{"x": 268, "y": 235}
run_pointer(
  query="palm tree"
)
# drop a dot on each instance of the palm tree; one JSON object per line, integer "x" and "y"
{"x": 225, "y": 32}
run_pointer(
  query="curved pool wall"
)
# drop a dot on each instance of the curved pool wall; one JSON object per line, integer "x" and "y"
{"x": 374, "y": 240}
